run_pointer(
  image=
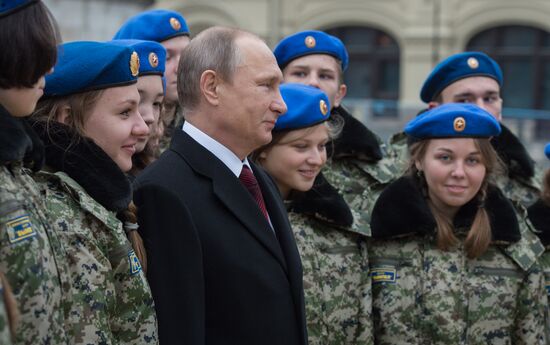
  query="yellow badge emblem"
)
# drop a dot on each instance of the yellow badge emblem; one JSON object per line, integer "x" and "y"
{"x": 310, "y": 42}
{"x": 135, "y": 265}
{"x": 134, "y": 64}
{"x": 323, "y": 107}
{"x": 175, "y": 24}
{"x": 383, "y": 275}
{"x": 153, "y": 60}
{"x": 459, "y": 124}
{"x": 19, "y": 228}
{"x": 473, "y": 63}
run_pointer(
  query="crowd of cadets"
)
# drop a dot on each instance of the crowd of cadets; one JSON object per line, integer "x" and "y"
{"x": 438, "y": 236}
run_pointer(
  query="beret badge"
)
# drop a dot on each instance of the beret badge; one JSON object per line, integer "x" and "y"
{"x": 175, "y": 24}
{"x": 153, "y": 60}
{"x": 473, "y": 63}
{"x": 134, "y": 64}
{"x": 459, "y": 124}
{"x": 310, "y": 42}
{"x": 323, "y": 107}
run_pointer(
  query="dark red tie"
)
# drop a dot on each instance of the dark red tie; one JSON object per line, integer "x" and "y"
{"x": 249, "y": 181}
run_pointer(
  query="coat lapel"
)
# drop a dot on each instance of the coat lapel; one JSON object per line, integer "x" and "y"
{"x": 229, "y": 190}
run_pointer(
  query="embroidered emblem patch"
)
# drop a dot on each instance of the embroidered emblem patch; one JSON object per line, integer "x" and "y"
{"x": 135, "y": 265}
{"x": 19, "y": 229}
{"x": 383, "y": 275}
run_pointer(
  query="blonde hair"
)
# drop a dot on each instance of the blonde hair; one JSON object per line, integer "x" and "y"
{"x": 480, "y": 234}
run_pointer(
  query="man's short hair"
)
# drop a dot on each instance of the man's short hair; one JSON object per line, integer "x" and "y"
{"x": 213, "y": 49}
{"x": 29, "y": 46}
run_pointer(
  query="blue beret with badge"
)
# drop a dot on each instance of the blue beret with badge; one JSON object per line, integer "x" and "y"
{"x": 307, "y": 106}
{"x": 85, "y": 65}
{"x": 453, "y": 120}
{"x": 8, "y": 7}
{"x": 310, "y": 42}
{"x": 456, "y": 67}
{"x": 547, "y": 150}
{"x": 154, "y": 25}
{"x": 152, "y": 55}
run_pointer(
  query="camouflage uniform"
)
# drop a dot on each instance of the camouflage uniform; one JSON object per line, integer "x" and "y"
{"x": 5, "y": 334}
{"x": 30, "y": 252}
{"x": 170, "y": 127}
{"x": 520, "y": 181}
{"x": 335, "y": 267}
{"x": 112, "y": 302}
{"x": 423, "y": 295}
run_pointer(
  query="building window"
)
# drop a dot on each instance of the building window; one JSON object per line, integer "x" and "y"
{"x": 523, "y": 53}
{"x": 373, "y": 71}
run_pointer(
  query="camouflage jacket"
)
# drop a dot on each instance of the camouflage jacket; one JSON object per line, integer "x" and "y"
{"x": 521, "y": 179}
{"x": 112, "y": 302}
{"x": 5, "y": 333}
{"x": 335, "y": 267}
{"x": 539, "y": 214}
{"x": 31, "y": 255}
{"x": 170, "y": 127}
{"x": 423, "y": 295}
{"x": 358, "y": 168}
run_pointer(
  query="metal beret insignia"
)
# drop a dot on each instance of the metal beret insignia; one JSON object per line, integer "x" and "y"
{"x": 310, "y": 42}
{"x": 175, "y": 24}
{"x": 323, "y": 107}
{"x": 153, "y": 60}
{"x": 473, "y": 63}
{"x": 459, "y": 124}
{"x": 134, "y": 64}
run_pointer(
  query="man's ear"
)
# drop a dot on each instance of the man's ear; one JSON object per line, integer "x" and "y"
{"x": 209, "y": 84}
{"x": 342, "y": 90}
{"x": 433, "y": 104}
{"x": 64, "y": 115}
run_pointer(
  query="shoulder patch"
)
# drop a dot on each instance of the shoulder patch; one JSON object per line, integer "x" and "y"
{"x": 384, "y": 274}
{"x": 19, "y": 229}
{"x": 135, "y": 265}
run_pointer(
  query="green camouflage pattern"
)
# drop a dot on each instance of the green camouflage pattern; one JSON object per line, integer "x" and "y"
{"x": 422, "y": 295}
{"x": 360, "y": 183}
{"x": 545, "y": 263}
{"x": 169, "y": 128}
{"x": 336, "y": 283}
{"x": 5, "y": 333}
{"x": 111, "y": 303}
{"x": 32, "y": 258}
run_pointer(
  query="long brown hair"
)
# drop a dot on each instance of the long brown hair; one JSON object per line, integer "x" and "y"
{"x": 480, "y": 234}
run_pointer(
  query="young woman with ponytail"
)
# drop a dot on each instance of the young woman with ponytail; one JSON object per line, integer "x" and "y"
{"x": 89, "y": 122}
{"x": 452, "y": 260}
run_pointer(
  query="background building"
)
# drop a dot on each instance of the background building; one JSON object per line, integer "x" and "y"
{"x": 393, "y": 45}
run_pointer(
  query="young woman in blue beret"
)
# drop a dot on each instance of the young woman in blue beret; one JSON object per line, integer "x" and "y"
{"x": 30, "y": 256}
{"x": 334, "y": 257}
{"x": 450, "y": 261}
{"x": 539, "y": 214}
{"x": 90, "y": 124}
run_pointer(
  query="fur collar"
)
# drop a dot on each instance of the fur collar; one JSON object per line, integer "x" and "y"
{"x": 539, "y": 215}
{"x": 512, "y": 152}
{"x": 323, "y": 202}
{"x": 355, "y": 140}
{"x": 18, "y": 142}
{"x": 87, "y": 164}
{"x": 395, "y": 215}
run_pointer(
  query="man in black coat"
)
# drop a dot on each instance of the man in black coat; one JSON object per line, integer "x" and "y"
{"x": 222, "y": 263}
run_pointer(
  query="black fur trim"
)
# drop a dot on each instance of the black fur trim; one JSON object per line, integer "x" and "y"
{"x": 512, "y": 152}
{"x": 355, "y": 140}
{"x": 323, "y": 202}
{"x": 402, "y": 210}
{"x": 539, "y": 214}
{"x": 18, "y": 142}
{"x": 87, "y": 164}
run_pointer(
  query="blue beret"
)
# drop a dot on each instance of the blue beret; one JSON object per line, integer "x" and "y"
{"x": 310, "y": 42}
{"x": 453, "y": 120}
{"x": 456, "y": 67}
{"x": 84, "y": 66}
{"x": 152, "y": 55}
{"x": 307, "y": 106}
{"x": 8, "y": 7}
{"x": 547, "y": 150}
{"x": 154, "y": 25}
